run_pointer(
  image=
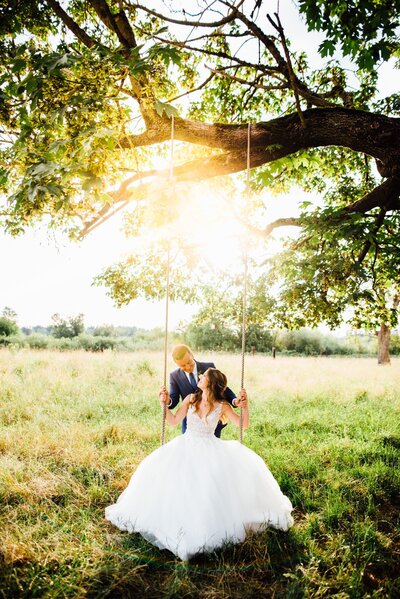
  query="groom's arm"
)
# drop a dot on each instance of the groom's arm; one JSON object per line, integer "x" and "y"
{"x": 230, "y": 396}
{"x": 174, "y": 392}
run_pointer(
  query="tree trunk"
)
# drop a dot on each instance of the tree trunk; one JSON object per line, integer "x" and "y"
{"x": 383, "y": 344}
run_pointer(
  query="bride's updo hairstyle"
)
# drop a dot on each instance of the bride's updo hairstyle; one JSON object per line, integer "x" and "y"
{"x": 217, "y": 383}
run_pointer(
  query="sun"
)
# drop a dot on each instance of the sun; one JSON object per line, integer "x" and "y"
{"x": 208, "y": 222}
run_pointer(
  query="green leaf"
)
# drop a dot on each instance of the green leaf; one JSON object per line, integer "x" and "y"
{"x": 42, "y": 169}
{"x": 31, "y": 84}
{"x": 327, "y": 48}
{"x": 19, "y": 65}
{"x": 3, "y": 176}
{"x": 162, "y": 107}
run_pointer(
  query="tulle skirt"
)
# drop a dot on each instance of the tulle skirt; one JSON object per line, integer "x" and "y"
{"x": 196, "y": 492}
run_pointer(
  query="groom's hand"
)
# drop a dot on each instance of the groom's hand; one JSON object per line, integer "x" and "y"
{"x": 163, "y": 396}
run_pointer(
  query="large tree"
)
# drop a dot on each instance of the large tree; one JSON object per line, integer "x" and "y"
{"x": 88, "y": 89}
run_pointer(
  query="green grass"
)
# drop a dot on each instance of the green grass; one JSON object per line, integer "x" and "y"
{"x": 73, "y": 426}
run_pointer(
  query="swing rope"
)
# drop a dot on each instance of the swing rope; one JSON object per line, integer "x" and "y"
{"x": 244, "y": 309}
{"x": 245, "y": 260}
{"x": 171, "y": 174}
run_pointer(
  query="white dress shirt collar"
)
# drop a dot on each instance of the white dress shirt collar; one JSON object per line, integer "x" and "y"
{"x": 194, "y": 372}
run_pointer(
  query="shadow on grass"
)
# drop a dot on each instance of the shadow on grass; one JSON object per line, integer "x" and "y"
{"x": 262, "y": 566}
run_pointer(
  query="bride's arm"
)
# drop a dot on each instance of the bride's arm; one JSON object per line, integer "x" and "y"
{"x": 232, "y": 416}
{"x": 180, "y": 414}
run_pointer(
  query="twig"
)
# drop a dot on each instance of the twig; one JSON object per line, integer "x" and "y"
{"x": 292, "y": 79}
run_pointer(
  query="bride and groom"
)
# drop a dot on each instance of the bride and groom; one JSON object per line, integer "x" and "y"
{"x": 197, "y": 492}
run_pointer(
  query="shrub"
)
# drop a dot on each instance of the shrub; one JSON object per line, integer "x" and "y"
{"x": 395, "y": 344}
{"x": 102, "y": 343}
{"x": 13, "y": 341}
{"x": 38, "y": 341}
{"x": 8, "y": 327}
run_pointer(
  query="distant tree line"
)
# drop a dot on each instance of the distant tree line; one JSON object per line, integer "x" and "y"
{"x": 69, "y": 333}
{"x": 74, "y": 326}
{"x": 306, "y": 342}
{"x": 208, "y": 335}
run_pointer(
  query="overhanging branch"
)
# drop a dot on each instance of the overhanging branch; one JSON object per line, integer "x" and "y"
{"x": 373, "y": 134}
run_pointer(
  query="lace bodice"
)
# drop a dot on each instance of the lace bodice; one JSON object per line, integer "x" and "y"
{"x": 203, "y": 427}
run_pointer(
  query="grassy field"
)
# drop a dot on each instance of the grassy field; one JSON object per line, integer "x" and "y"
{"x": 73, "y": 426}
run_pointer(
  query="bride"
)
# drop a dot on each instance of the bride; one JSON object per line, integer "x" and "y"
{"x": 197, "y": 492}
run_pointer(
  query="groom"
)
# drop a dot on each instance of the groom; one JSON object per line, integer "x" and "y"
{"x": 183, "y": 381}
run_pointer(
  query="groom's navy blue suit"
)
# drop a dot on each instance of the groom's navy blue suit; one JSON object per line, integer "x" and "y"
{"x": 179, "y": 388}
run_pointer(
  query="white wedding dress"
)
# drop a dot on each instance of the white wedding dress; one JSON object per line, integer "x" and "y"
{"x": 197, "y": 492}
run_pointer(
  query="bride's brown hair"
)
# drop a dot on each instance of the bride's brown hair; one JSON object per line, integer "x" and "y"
{"x": 216, "y": 386}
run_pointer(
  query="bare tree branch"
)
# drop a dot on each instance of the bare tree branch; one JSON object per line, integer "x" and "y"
{"x": 104, "y": 215}
{"x": 208, "y": 36}
{"x": 186, "y": 46}
{"x": 281, "y": 222}
{"x": 269, "y": 43}
{"x": 254, "y": 83}
{"x": 195, "y": 89}
{"x": 282, "y": 65}
{"x": 292, "y": 78}
{"x": 266, "y": 232}
{"x": 212, "y": 24}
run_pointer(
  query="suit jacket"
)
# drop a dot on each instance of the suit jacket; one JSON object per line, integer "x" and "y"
{"x": 179, "y": 388}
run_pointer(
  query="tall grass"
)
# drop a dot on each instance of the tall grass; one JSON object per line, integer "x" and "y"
{"x": 73, "y": 427}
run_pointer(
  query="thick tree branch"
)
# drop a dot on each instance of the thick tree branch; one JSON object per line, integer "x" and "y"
{"x": 119, "y": 24}
{"x": 70, "y": 23}
{"x": 358, "y": 130}
{"x": 385, "y": 196}
{"x": 125, "y": 29}
{"x": 373, "y": 134}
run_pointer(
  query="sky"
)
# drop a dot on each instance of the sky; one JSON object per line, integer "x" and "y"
{"x": 44, "y": 273}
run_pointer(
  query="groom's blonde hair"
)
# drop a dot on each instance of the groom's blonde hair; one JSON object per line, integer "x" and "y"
{"x": 180, "y": 351}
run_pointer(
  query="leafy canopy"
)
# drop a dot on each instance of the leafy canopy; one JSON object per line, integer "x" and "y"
{"x": 87, "y": 94}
